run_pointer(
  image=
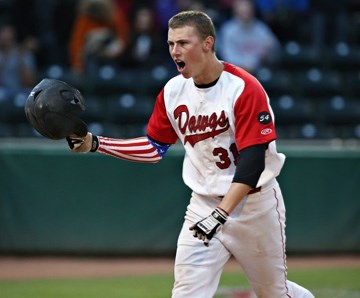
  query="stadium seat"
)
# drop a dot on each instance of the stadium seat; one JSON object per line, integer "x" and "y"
{"x": 12, "y": 108}
{"x": 297, "y": 56}
{"x": 109, "y": 80}
{"x": 309, "y": 131}
{"x": 276, "y": 82}
{"x": 344, "y": 57}
{"x": 352, "y": 84}
{"x": 95, "y": 108}
{"x": 55, "y": 71}
{"x": 59, "y": 72}
{"x": 314, "y": 82}
{"x": 291, "y": 110}
{"x": 129, "y": 108}
{"x": 350, "y": 131}
{"x": 338, "y": 110}
{"x": 153, "y": 80}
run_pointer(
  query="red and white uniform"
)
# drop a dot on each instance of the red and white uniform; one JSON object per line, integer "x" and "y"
{"x": 214, "y": 124}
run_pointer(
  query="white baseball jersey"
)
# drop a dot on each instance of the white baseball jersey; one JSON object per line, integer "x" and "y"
{"x": 214, "y": 124}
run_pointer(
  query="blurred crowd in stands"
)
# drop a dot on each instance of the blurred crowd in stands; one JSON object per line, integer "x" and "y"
{"x": 82, "y": 38}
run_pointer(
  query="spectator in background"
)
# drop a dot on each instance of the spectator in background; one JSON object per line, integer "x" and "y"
{"x": 247, "y": 41}
{"x": 329, "y": 23}
{"x": 17, "y": 65}
{"x": 165, "y": 9}
{"x": 99, "y": 36}
{"x": 284, "y": 17}
{"x": 44, "y": 27}
{"x": 126, "y": 7}
{"x": 54, "y": 20}
{"x": 146, "y": 47}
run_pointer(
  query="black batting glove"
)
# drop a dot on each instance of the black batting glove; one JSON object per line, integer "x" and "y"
{"x": 74, "y": 142}
{"x": 88, "y": 143}
{"x": 206, "y": 228}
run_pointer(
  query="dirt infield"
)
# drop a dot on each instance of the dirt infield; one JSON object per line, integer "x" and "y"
{"x": 15, "y": 268}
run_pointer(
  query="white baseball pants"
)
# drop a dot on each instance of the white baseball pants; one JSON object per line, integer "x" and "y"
{"x": 254, "y": 235}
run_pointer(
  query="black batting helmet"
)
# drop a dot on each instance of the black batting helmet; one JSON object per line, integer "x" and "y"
{"x": 52, "y": 108}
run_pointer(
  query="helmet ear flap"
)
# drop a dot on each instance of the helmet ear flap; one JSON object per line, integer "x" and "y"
{"x": 74, "y": 98}
{"x": 52, "y": 108}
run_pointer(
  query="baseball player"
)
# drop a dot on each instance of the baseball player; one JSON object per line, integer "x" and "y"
{"x": 221, "y": 115}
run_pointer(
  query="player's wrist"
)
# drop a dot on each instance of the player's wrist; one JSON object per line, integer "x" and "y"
{"x": 219, "y": 215}
{"x": 222, "y": 210}
{"x": 94, "y": 143}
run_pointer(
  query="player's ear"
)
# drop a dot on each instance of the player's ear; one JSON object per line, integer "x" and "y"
{"x": 208, "y": 43}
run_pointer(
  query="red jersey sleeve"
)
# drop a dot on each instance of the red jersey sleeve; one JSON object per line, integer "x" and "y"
{"x": 159, "y": 127}
{"x": 254, "y": 123}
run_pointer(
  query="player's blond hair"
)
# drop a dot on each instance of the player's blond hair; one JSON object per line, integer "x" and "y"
{"x": 197, "y": 19}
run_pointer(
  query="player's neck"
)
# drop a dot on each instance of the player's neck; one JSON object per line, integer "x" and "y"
{"x": 210, "y": 74}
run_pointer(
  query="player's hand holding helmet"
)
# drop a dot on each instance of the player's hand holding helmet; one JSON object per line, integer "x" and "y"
{"x": 206, "y": 228}
{"x": 52, "y": 108}
{"x": 89, "y": 143}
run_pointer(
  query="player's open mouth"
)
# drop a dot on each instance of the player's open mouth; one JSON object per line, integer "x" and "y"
{"x": 180, "y": 65}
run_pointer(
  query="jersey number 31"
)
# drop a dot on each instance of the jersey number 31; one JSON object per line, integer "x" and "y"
{"x": 226, "y": 157}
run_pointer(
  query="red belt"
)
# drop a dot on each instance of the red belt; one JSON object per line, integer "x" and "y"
{"x": 254, "y": 190}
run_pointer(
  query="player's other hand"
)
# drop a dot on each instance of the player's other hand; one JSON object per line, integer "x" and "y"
{"x": 80, "y": 144}
{"x": 207, "y": 227}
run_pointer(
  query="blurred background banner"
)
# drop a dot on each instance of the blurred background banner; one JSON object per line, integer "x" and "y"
{"x": 55, "y": 202}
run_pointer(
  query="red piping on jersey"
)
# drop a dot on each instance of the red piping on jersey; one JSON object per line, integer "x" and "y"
{"x": 282, "y": 241}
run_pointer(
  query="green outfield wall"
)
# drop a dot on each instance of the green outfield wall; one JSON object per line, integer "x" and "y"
{"x": 53, "y": 201}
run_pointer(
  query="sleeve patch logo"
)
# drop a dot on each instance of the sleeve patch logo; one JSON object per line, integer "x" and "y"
{"x": 266, "y": 131}
{"x": 264, "y": 118}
